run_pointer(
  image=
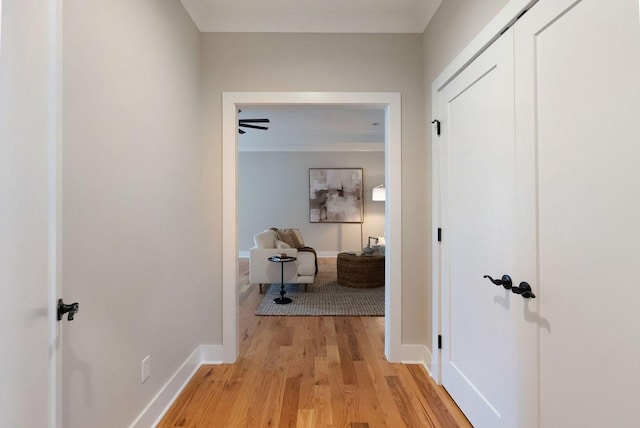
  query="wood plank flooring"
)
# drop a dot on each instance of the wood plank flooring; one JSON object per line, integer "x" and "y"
{"x": 311, "y": 372}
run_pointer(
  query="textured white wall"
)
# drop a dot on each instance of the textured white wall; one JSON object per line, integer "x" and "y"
{"x": 24, "y": 211}
{"x": 273, "y": 191}
{"x": 333, "y": 63}
{"x": 133, "y": 237}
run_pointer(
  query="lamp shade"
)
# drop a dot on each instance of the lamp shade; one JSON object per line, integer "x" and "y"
{"x": 379, "y": 193}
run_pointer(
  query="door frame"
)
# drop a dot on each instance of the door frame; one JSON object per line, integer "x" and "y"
{"x": 503, "y": 20}
{"x": 55, "y": 181}
{"x": 391, "y": 103}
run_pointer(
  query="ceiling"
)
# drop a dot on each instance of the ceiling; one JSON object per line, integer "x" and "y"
{"x": 314, "y": 128}
{"x": 312, "y": 16}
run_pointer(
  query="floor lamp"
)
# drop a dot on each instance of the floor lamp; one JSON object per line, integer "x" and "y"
{"x": 378, "y": 194}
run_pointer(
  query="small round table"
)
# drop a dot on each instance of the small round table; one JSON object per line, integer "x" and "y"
{"x": 282, "y": 260}
{"x": 361, "y": 271}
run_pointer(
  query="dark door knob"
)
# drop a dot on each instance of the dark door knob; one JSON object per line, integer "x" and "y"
{"x": 71, "y": 309}
{"x": 505, "y": 281}
{"x": 524, "y": 289}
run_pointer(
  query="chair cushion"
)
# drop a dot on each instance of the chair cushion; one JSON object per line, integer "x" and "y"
{"x": 282, "y": 244}
{"x": 298, "y": 236}
{"x": 266, "y": 239}
{"x": 290, "y": 237}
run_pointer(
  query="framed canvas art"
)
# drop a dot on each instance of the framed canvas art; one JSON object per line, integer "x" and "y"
{"x": 335, "y": 195}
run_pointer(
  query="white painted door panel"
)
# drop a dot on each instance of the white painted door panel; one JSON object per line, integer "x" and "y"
{"x": 483, "y": 325}
{"x": 29, "y": 340}
{"x": 570, "y": 227}
{"x": 578, "y": 121}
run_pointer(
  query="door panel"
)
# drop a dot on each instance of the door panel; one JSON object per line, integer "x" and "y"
{"x": 28, "y": 228}
{"x": 483, "y": 324}
{"x": 578, "y": 87}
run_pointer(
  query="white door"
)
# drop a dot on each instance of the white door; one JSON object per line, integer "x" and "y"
{"x": 570, "y": 227}
{"x": 28, "y": 223}
{"x": 578, "y": 123}
{"x": 487, "y": 339}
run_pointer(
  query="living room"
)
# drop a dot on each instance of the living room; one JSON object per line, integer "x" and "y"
{"x": 273, "y": 173}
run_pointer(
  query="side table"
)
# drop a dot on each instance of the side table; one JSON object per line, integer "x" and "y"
{"x": 282, "y": 260}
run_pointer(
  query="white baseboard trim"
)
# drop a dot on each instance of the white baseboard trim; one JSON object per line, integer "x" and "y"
{"x": 327, "y": 253}
{"x": 435, "y": 369}
{"x": 211, "y": 354}
{"x": 416, "y": 354}
{"x": 160, "y": 404}
{"x": 243, "y": 254}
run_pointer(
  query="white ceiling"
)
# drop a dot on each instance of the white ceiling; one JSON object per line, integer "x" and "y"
{"x": 314, "y": 128}
{"x": 312, "y": 16}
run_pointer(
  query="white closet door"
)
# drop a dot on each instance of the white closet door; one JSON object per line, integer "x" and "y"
{"x": 578, "y": 124}
{"x": 486, "y": 338}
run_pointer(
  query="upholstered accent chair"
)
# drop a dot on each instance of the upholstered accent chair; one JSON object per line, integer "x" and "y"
{"x": 262, "y": 271}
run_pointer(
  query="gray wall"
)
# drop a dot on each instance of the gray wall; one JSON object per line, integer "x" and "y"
{"x": 453, "y": 27}
{"x": 327, "y": 62}
{"x": 273, "y": 191}
{"x": 143, "y": 191}
{"x": 132, "y": 234}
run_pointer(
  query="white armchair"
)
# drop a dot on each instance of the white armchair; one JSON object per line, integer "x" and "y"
{"x": 262, "y": 271}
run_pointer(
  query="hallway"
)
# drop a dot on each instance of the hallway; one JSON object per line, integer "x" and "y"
{"x": 308, "y": 372}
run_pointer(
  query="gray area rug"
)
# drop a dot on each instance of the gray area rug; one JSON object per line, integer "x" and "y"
{"x": 325, "y": 297}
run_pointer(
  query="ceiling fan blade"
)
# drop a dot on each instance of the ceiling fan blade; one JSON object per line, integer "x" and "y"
{"x": 244, "y": 125}
{"x": 254, "y": 121}
{"x": 241, "y": 131}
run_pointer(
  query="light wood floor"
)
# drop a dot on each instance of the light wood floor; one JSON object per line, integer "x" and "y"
{"x": 311, "y": 372}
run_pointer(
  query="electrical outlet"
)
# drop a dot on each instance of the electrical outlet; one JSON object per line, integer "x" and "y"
{"x": 146, "y": 368}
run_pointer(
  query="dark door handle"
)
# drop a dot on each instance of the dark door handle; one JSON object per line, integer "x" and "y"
{"x": 525, "y": 290}
{"x": 71, "y": 309}
{"x": 505, "y": 281}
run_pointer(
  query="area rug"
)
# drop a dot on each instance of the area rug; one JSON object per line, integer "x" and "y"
{"x": 324, "y": 298}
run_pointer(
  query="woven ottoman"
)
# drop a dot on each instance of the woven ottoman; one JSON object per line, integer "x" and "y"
{"x": 361, "y": 271}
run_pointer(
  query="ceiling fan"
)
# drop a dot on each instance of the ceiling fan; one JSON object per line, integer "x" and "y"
{"x": 247, "y": 123}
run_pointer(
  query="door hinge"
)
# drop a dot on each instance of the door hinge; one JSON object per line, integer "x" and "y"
{"x": 439, "y": 341}
{"x": 437, "y": 122}
{"x": 439, "y": 235}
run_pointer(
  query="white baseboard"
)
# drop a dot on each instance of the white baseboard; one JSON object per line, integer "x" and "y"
{"x": 327, "y": 253}
{"x": 160, "y": 404}
{"x": 243, "y": 254}
{"x": 434, "y": 372}
{"x": 211, "y": 354}
{"x": 416, "y": 354}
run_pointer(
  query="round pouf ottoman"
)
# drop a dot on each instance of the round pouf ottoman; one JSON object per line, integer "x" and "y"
{"x": 360, "y": 271}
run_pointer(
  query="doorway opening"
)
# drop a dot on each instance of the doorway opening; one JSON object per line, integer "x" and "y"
{"x": 390, "y": 103}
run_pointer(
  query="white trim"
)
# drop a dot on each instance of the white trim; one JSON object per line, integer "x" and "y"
{"x": 0, "y": 28}
{"x": 243, "y": 254}
{"x": 164, "y": 399}
{"x": 505, "y": 18}
{"x": 55, "y": 209}
{"x": 416, "y": 354}
{"x": 322, "y": 147}
{"x": 211, "y": 354}
{"x": 327, "y": 254}
{"x": 391, "y": 102}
